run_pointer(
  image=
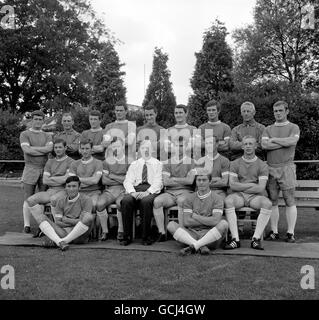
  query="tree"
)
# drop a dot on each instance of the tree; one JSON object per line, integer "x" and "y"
{"x": 213, "y": 71}
{"x": 159, "y": 91}
{"x": 48, "y": 59}
{"x": 108, "y": 83}
{"x": 280, "y": 45}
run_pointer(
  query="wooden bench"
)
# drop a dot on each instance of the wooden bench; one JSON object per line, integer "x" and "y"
{"x": 170, "y": 214}
{"x": 307, "y": 194}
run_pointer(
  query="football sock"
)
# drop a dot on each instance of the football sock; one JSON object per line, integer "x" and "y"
{"x": 210, "y": 237}
{"x": 291, "y": 215}
{"x": 274, "y": 218}
{"x": 76, "y": 232}
{"x": 183, "y": 236}
{"x": 262, "y": 221}
{"x": 159, "y": 218}
{"x": 26, "y": 214}
{"x": 119, "y": 221}
{"x": 48, "y": 230}
{"x": 232, "y": 222}
{"x": 103, "y": 216}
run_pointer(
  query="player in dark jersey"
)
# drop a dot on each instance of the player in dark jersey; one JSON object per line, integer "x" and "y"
{"x": 95, "y": 134}
{"x": 36, "y": 146}
{"x": 248, "y": 177}
{"x": 249, "y": 127}
{"x": 214, "y": 127}
{"x": 70, "y": 136}
{"x": 180, "y": 129}
{"x": 150, "y": 131}
{"x": 202, "y": 214}
{"x": 89, "y": 170}
{"x": 115, "y": 168}
{"x": 217, "y": 165}
{"x": 178, "y": 178}
{"x": 56, "y": 171}
{"x": 122, "y": 128}
{"x": 280, "y": 140}
{"x": 73, "y": 218}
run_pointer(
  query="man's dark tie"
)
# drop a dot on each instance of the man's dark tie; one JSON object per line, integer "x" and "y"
{"x": 144, "y": 173}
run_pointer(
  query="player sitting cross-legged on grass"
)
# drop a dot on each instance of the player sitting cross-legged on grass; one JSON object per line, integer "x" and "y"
{"x": 178, "y": 178}
{"x": 115, "y": 167}
{"x": 248, "y": 178}
{"x": 73, "y": 217}
{"x": 56, "y": 171}
{"x": 202, "y": 213}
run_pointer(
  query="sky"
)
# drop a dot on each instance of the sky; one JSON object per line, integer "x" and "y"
{"x": 176, "y": 26}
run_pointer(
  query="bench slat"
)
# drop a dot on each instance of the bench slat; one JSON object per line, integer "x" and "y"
{"x": 308, "y": 183}
{"x": 302, "y": 203}
{"x": 307, "y": 194}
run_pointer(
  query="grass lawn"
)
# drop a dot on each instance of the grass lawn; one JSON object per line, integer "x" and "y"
{"x": 110, "y": 274}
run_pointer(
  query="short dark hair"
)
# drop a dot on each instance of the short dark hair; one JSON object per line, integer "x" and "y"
{"x": 150, "y": 107}
{"x": 38, "y": 113}
{"x": 203, "y": 172}
{"x": 281, "y": 103}
{"x": 122, "y": 104}
{"x": 84, "y": 141}
{"x": 182, "y": 106}
{"x": 73, "y": 179}
{"x": 95, "y": 113}
{"x": 67, "y": 114}
{"x": 59, "y": 140}
{"x": 213, "y": 103}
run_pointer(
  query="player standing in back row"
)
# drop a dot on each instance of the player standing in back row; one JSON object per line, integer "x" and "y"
{"x": 280, "y": 140}
{"x": 214, "y": 127}
{"x": 36, "y": 145}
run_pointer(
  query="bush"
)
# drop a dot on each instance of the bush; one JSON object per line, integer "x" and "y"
{"x": 10, "y": 130}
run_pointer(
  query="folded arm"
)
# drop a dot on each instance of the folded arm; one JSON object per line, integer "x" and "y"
{"x": 210, "y": 221}
{"x": 235, "y": 185}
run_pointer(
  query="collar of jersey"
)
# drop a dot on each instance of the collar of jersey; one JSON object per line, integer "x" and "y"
{"x": 87, "y": 161}
{"x": 32, "y": 130}
{"x": 68, "y": 132}
{"x": 251, "y": 160}
{"x": 121, "y": 121}
{"x": 204, "y": 196}
{"x": 181, "y": 126}
{"x": 62, "y": 159}
{"x": 214, "y": 158}
{"x": 251, "y": 124}
{"x": 96, "y": 130}
{"x": 281, "y": 124}
{"x": 215, "y": 123}
{"x": 74, "y": 199}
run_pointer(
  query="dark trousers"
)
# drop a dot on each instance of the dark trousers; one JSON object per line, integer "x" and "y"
{"x": 128, "y": 207}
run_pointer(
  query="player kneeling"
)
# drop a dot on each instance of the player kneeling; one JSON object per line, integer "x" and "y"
{"x": 248, "y": 178}
{"x": 73, "y": 217}
{"x": 202, "y": 214}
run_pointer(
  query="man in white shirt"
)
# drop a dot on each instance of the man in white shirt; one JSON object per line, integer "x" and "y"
{"x": 143, "y": 182}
